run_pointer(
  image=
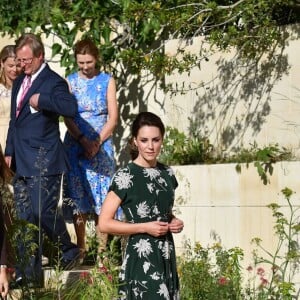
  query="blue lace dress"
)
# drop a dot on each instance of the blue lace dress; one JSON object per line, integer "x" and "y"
{"x": 87, "y": 182}
{"x": 149, "y": 265}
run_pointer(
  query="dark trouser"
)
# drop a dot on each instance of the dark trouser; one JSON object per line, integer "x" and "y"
{"x": 36, "y": 201}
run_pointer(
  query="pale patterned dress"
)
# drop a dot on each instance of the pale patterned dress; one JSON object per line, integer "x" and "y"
{"x": 5, "y": 104}
{"x": 87, "y": 182}
{"x": 149, "y": 264}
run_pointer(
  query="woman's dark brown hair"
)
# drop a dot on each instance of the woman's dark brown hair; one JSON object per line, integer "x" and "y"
{"x": 143, "y": 119}
{"x": 86, "y": 46}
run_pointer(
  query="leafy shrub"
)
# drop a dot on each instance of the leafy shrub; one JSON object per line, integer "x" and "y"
{"x": 210, "y": 273}
{"x": 215, "y": 273}
{"x": 179, "y": 149}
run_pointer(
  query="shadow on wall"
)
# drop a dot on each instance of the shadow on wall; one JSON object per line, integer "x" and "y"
{"x": 134, "y": 93}
{"x": 230, "y": 109}
{"x": 239, "y": 86}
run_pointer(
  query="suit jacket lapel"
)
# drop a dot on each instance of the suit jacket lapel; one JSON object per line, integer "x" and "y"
{"x": 34, "y": 86}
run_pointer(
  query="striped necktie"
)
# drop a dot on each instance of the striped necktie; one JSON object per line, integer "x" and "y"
{"x": 25, "y": 87}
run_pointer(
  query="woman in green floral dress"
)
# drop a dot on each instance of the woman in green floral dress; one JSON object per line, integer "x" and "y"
{"x": 145, "y": 191}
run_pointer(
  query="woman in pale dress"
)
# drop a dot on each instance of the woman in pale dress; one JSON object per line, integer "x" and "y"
{"x": 8, "y": 73}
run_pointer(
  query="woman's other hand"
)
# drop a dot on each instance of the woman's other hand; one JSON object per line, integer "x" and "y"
{"x": 176, "y": 225}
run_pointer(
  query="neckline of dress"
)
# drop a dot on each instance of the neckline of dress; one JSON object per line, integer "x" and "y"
{"x": 88, "y": 79}
{"x": 143, "y": 167}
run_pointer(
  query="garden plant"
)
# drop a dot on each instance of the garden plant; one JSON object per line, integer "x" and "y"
{"x": 206, "y": 272}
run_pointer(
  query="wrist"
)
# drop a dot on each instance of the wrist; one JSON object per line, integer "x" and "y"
{"x": 142, "y": 228}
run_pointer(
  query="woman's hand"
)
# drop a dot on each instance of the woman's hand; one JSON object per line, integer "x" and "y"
{"x": 8, "y": 160}
{"x": 3, "y": 283}
{"x": 176, "y": 225}
{"x": 156, "y": 228}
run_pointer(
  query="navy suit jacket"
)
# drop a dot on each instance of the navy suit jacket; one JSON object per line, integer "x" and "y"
{"x": 33, "y": 139}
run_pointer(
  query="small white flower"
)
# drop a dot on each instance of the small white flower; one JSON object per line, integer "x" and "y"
{"x": 143, "y": 247}
{"x": 146, "y": 266}
{"x": 166, "y": 249}
{"x": 152, "y": 173}
{"x": 143, "y": 209}
{"x": 170, "y": 171}
{"x": 163, "y": 290}
{"x": 155, "y": 276}
{"x": 136, "y": 291}
{"x": 150, "y": 187}
{"x": 162, "y": 181}
{"x": 155, "y": 210}
{"x": 123, "y": 179}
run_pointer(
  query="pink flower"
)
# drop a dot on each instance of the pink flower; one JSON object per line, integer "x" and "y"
{"x": 249, "y": 269}
{"x": 263, "y": 281}
{"x": 86, "y": 276}
{"x": 222, "y": 281}
{"x": 109, "y": 277}
{"x": 260, "y": 271}
{"x": 103, "y": 269}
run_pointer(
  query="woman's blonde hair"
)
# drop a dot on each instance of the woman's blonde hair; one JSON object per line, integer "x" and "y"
{"x": 6, "y": 52}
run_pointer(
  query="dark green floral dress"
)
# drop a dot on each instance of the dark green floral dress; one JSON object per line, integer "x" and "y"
{"x": 149, "y": 264}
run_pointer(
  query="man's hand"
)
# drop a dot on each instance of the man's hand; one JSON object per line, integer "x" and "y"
{"x": 34, "y": 101}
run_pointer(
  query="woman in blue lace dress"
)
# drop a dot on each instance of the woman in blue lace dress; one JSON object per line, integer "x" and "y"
{"x": 145, "y": 189}
{"x": 88, "y": 140}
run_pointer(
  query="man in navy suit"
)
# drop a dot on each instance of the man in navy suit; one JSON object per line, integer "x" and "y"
{"x": 35, "y": 152}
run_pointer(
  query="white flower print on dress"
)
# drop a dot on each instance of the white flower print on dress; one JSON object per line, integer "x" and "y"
{"x": 143, "y": 210}
{"x": 150, "y": 187}
{"x": 163, "y": 291}
{"x": 123, "y": 179}
{"x": 151, "y": 172}
{"x": 123, "y": 267}
{"x": 146, "y": 266}
{"x": 170, "y": 172}
{"x": 162, "y": 181}
{"x": 138, "y": 288}
{"x": 143, "y": 247}
{"x": 155, "y": 276}
{"x": 166, "y": 249}
{"x": 155, "y": 210}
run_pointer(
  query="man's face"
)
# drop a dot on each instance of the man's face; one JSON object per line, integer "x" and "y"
{"x": 27, "y": 61}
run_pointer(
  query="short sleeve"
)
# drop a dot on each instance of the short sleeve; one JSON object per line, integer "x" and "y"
{"x": 121, "y": 183}
{"x": 171, "y": 175}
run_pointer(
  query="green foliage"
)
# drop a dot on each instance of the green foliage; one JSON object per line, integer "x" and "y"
{"x": 264, "y": 159}
{"x": 210, "y": 273}
{"x": 179, "y": 149}
{"x": 271, "y": 276}
{"x": 22, "y": 235}
{"x": 133, "y": 33}
{"x": 284, "y": 259}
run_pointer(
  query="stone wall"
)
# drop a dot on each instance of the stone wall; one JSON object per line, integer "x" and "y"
{"x": 218, "y": 204}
